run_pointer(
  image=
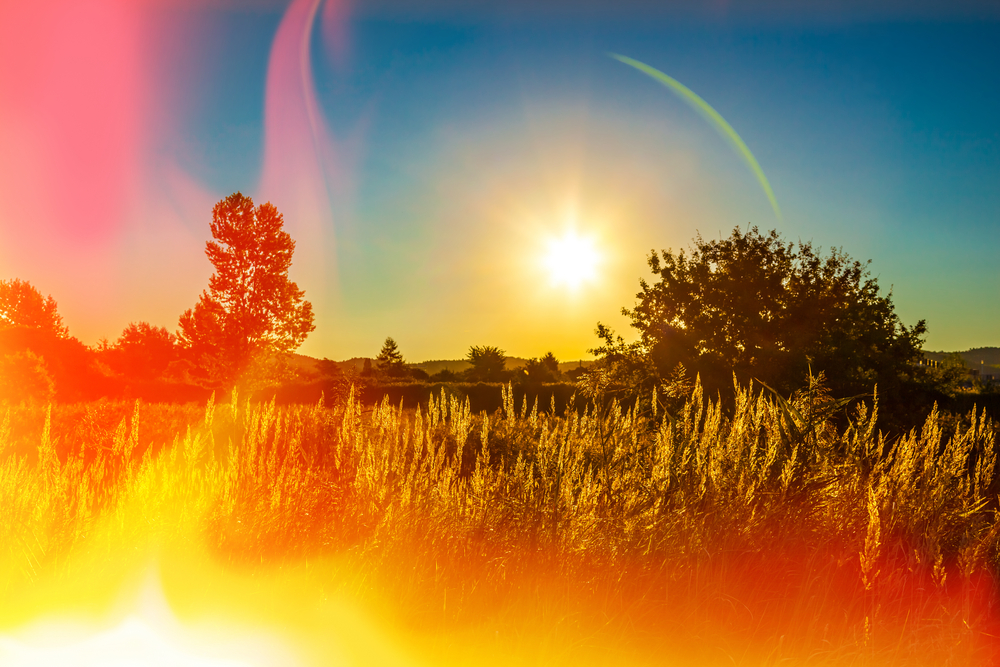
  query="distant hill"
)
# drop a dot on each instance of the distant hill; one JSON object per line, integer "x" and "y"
{"x": 301, "y": 362}
{"x": 431, "y": 367}
{"x": 355, "y": 364}
{"x": 459, "y": 365}
{"x": 987, "y": 356}
{"x": 438, "y": 365}
{"x": 570, "y": 365}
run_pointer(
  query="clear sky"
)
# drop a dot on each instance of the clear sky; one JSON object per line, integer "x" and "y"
{"x": 432, "y": 159}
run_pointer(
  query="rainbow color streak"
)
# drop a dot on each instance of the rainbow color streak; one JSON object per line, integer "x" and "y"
{"x": 711, "y": 115}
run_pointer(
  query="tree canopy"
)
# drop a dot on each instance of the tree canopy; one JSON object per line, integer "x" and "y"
{"x": 25, "y": 376}
{"x": 768, "y": 309}
{"x": 143, "y": 351}
{"x": 488, "y": 363}
{"x": 21, "y": 305}
{"x": 390, "y": 359}
{"x": 251, "y": 310}
{"x": 540, "y": 370}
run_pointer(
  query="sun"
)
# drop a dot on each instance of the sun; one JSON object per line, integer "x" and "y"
{"x": 572, "y": 260}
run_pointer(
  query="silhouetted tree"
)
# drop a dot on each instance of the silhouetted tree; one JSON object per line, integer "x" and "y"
{"x": 25, "y": 377}
{"x": 445, "y": 375}
{"x": 21, "y": 305}
{"x": 764, "y": 308}
{"x": 390, "y": 360}
{"x": 538, "y": 371}
{"x": 67, "y": 361}
{"x": 40, "y": 349}
{"x": 143, "y": 351}
{"x": 488, "y": 364}
{"x": 328, "y": 368}
{"x": 550, "y": 362}
{"x": 251, "y": 311}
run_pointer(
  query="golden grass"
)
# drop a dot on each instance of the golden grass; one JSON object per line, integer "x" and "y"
{"x": 756, "y": 537}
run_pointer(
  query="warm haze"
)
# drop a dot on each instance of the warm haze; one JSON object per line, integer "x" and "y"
{"x": 427, "y": 158}
{"x": 774, "y": 472}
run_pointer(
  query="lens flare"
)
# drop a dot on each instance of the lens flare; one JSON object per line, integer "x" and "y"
{"x": 72, "y": 106}
{"x": 299, "y": 156}
{"x": 145, "y": 633}
{"x": 131, "y": 644}
{"x": 713, "y": 117}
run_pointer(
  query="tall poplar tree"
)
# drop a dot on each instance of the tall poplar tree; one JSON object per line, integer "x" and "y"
{"x": 251, "y": 311}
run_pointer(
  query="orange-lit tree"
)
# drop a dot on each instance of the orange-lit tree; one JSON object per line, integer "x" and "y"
{"x": 21, "y": 305}
{"x": 143, "y": 351}
{"x": 38, "y": 357}
{"x": 251, "y": 312}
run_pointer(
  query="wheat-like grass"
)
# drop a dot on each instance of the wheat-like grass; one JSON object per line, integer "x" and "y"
{"x": 741, "y": 529}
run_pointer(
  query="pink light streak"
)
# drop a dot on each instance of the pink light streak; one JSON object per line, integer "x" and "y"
{"x": 72, "y": 105}
{"x": 300, "y": 171}
{"x": 90, "y": 213}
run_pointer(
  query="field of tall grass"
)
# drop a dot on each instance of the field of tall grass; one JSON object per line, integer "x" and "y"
{"x": 760, "y": 533}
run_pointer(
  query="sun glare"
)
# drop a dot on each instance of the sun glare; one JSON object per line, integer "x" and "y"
{"x": 572, "y": 260}
{"x": 131, "y": 644}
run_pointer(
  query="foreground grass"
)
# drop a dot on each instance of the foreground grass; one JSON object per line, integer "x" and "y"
{"x": 757, "y": 537}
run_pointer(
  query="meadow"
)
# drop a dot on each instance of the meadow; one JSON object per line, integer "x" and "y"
{"x": 765, "y": 532}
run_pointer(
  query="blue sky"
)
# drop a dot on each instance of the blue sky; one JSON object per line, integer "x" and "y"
{"x": 463, "y": 137}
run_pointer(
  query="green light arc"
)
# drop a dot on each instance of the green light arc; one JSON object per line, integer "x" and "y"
{"x": 713, "y": 117}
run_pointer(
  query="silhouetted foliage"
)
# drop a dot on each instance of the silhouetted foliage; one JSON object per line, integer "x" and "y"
{"x": 367, "y": 370}
{"x": 143, "y": 351}
{"x": 25, "y": 377}
{"x": 767, "y": 309}
{"x": 445, "y": 375}
{"x": 390, "y": 360}
{"x": 575, "y": 374}
{"x": 69, "y": 363}
{"x": 488, "y": 364}
{"x": 955, "y": 374}
{"x": 328, "y": 368}
{"x": 550, "y": 362}
{"x": 541, "y": 371}
{"x": 21, "y": 305}
{"x": 251, "y": 311}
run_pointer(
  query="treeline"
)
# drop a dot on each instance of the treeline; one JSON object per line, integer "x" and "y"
{"x": 41, "y": 362}
{"x": 751, "y": 309}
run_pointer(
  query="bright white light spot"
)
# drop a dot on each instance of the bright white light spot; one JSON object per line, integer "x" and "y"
{"x": 572, "y": 260}
{"x": 150, "y": 636}
{"x": 131, "y": 644}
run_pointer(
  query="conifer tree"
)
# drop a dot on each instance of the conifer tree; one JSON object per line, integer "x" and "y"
{"x": 390, "y": 359}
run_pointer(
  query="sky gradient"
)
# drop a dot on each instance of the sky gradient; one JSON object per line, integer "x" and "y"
{"x": 424, "y": 156}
